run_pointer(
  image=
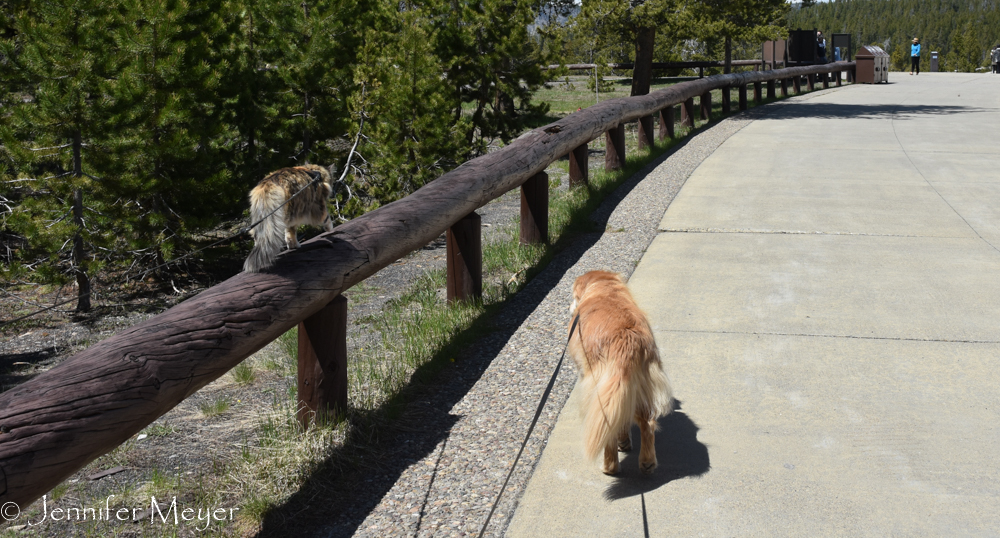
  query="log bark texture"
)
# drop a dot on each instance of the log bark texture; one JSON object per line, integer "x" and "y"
{"x": 57, "y": 422}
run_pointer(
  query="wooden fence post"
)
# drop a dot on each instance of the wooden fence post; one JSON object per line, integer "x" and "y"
{"x": 666, "y": 123}
{"x": 826, "y": 80}
{"x": 727, "y": 100}
{"x": 645, "y": 131}
{"x": 535, "y": 209}
{"x": 810, "y": 82}
{"x": 837, "y": 80}
{"x": 784, "y": 87}
{"x": 797, "y": 84}
{"x": 465, "y": 259}
{"x": 706, "y": 105}
{"x": 770, "y": 89}
{"x": 578, "y": 166}
{"x": 614, "y": 148}
{"x": 758, "y": 95}
{"x": 743, "y": 96}
{"x": 322, "y": 368}
{"x": 687, "y": 113}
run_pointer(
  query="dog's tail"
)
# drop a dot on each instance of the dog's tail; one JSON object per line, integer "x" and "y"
{"x": 266, "y": 201}
{"x": 630, "y": 382}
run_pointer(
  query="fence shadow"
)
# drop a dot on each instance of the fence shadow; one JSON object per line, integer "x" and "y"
{"x": 353, "y": 480}
{"x": 862, "y": 111}
{"x": 678, "y": 451}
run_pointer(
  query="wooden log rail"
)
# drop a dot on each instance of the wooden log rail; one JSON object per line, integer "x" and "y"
{"x": 54, "y": 424}
{"x": 663, "y": 65}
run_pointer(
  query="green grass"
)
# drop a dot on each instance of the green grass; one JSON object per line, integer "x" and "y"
{"x": 214, "y": 407}
{"x": 243, "y": 373}
{"x": 418, "y": 335}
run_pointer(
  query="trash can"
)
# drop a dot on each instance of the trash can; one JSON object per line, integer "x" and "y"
{"x": 872, "y": 65}
{"x": 934, "y": 61}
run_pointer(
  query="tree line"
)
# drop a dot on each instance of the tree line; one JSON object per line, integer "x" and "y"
{"x": 962, "y": 31}
{"x": 132, "y": 130}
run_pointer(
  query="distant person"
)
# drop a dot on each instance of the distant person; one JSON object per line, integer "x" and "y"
{"x": 915, "y": 56}
{"x": 820, "y": 47}
{"x": 995, "y": 59}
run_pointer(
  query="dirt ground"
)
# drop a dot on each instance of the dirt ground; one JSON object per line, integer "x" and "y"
{"x": 187, "y": 442}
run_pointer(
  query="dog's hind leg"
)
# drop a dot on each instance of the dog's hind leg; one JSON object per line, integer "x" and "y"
{"x": 625, "y": 441}
{"x": 647, "y": 449}
{"x": 611, "y": 465}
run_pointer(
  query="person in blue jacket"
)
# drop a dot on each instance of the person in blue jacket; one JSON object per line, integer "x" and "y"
{"x": 915, "y": 56}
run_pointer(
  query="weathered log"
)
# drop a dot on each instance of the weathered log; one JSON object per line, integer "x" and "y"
{"x": 658, "y": 65}
{"x": 687, "y": 112}
{"x": 578, "y": 163}
{"x": 535, "y": 209}
{"x": 614, "y": 148}
{"x": 645, "y": 132}
{"x": 322, "y": 368}
{"x": 57, "y": 422}
{"x": 464, "y": 259}
{"x": 666, "y": 123}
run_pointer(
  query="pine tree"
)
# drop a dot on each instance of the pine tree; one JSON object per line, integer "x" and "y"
{"x": 626, "y": 31}
{"x": 57, "y": 58}
{"x": 411, "y": 135}
{"x": 491, "y": 64}
{"x": 163, "y": 159}
{"x": 744, "y": 20}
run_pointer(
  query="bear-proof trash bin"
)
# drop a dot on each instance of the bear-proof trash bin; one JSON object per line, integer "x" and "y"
{"x": 872, "y": 65}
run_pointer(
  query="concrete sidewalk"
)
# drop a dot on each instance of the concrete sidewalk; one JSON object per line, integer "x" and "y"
{"x": 825, "y": 291}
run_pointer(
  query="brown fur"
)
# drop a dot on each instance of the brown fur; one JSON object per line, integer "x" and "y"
{"x": 309, "y": 207}
{"x": 620, "y": 370}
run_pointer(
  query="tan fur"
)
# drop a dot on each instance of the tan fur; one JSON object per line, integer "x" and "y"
{"x": 620, "y": 370}
{"x": 309, "y": 207}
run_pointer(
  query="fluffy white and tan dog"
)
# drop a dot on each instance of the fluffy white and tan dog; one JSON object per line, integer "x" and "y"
{"x": 620, "y": 371}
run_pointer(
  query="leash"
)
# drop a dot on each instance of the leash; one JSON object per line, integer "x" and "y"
{"x": 538, "y": 413}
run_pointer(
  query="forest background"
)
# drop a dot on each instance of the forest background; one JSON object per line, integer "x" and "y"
{"x": 132, "y": 130}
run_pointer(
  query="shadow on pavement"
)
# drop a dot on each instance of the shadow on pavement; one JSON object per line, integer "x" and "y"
{"x": 862, "y": 111}
{"x": 678, "y": 451}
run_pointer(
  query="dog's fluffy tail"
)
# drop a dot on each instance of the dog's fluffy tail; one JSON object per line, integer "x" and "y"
{"x": 630, "y": 383}
{"x": 269, "y": 234}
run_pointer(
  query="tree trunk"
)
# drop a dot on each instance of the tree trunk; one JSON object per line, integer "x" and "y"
{"x": 729, "y": 56}
{"x": 642, "y": 71}
{"x": 79, "y": 256}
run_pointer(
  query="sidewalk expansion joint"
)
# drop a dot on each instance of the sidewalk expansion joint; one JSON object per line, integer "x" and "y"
{"x": 789, "y": 232}
{"x": 842, "y": 336}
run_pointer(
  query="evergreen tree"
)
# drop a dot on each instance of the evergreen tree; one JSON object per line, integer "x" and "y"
{"x": 490, "y": 63}
{"x": 410, "y": 134}
{"x": 744, "y": 20}
{"x": 163, "y": 159}
{"x": 53, "y": 137}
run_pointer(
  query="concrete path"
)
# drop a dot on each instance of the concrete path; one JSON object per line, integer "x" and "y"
{"x": 825, "y": 291}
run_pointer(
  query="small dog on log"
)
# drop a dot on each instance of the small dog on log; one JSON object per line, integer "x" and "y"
{"x": 268, "y": 205}
{"x": 620, "y": 371}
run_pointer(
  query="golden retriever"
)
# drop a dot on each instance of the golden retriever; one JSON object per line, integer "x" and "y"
{"x": 620, "y": 371}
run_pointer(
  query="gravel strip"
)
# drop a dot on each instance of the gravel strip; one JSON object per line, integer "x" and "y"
{"x": 448, "y": 490}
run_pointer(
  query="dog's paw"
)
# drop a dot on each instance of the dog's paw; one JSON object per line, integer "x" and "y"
{"x": 611, "y": 470}
{"x": 646, "y": 467}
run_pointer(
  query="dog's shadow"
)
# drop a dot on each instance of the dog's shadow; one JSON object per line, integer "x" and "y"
{"x": 678, "y": 452}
